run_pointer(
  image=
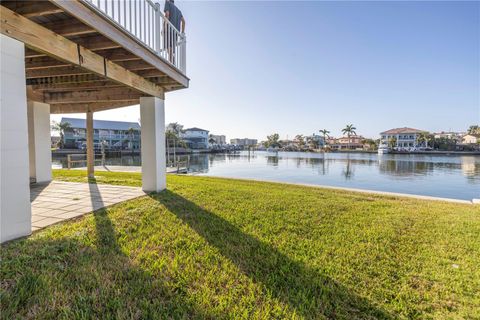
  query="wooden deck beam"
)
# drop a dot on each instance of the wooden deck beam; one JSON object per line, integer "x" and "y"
{"x": 91, "y": 96}
{"x": 115, "y": 55}
{"x": 55, "y": 72}
{"x": 92, "y": 43}
{"x": 95, "y": 106}
{"x": 96, "y": 42}
{"x": 32, "y": 9}
{"x": 91, "y": 85}
{"x": 71, "y": 79}
{"x": 134, "y": 65}
{"x": 45, "y": 40}
{"x": 119, "y": 54}
{"x": 54, "y": 67}
{"x": 150, "y": 73}
{"x": 44, "y": 62}
{"x": 70, "y": 27}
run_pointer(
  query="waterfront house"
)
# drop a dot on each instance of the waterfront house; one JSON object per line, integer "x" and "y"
{"x": 401, "y": 138}
{"x": 243, "y": 142}
{"x": 195, "y": 138}
{"x": 344, "y": 143}
{"x": 471, "y": 139}
{"x": 318, "y": 139}
{"x": 219, "y": 139}
{"x": 79, "y": 56}
{"x": 457, "y": 136}
{"x": 117, "y": 135}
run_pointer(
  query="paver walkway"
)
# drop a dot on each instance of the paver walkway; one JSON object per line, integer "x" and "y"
{"x": 58, "y": 201}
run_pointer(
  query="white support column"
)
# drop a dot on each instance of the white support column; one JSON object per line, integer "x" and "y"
{"x": 15, "y": 209}
{"x": 39, "y": 141}
{"x": 152, "y": 114}
{"x": 90, "y": 149}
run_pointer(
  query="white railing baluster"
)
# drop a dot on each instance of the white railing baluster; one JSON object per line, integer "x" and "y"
{"x": 135, "y": 17}
{"x": 141, "y": 19}
{"x": 118, "y": 12}
{"x": 158, "y": 28}
{"x": 113, "y": 9}
{"x": 144, "y": 20}
{"x": 149, "y": 26}
{"x": 125, "y": 14}
{"x": 130, "y": 27}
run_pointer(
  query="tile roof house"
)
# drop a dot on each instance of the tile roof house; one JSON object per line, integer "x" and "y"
{"x": 403, "y": 138}
{"x": 404, "y": 130}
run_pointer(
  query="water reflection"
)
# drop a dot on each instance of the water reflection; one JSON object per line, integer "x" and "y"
{"x": 404, "y": 169}
{"x": 348, "y": 169}
{"x": 471, "y": 169}
{"x": 272, "y": 161}
{"x": 444, "y": 176}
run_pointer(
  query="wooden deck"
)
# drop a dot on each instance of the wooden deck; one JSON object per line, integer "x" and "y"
{"x": 77, "y": 60}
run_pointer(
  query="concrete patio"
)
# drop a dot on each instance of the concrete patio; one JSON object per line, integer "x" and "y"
{"x": 58, "y": 201}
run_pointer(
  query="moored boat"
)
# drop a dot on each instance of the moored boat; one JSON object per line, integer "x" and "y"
{"x": 383, "y": 150}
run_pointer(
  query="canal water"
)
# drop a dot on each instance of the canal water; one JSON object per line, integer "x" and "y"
{"x": 453, "y": 176}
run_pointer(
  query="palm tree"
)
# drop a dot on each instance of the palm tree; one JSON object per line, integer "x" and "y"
{"x": 392, "y": 142}
{"x": 349, "y": 130}
{"x": 423, "y": 138}
{"x": 474, "y": 129}
{"x": 325, "y": 133}
{"x": 211, "y": 140}
{"x": 61, "y": 127}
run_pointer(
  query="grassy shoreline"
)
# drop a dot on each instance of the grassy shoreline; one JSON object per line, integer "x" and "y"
{"x": 224, "y": 248}
{"x": 133, "y": 179}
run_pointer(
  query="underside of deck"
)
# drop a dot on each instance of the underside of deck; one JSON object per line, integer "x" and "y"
{"x": 77, "y": 60}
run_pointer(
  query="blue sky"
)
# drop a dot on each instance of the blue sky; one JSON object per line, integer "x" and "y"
{"x": 297, "y": 67}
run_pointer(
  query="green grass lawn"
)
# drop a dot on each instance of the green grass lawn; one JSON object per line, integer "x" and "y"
{"x": 222, "y": 248}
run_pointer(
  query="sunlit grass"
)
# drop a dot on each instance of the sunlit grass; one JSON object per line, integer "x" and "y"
{"x": 133, "y": 179}
{"x": 222, "y": 248}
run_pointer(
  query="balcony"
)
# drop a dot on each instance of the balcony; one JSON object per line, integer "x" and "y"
{"x": 145, "y": 21}
{"x": 94, "y": 55}
{"x": 97, "y": 136}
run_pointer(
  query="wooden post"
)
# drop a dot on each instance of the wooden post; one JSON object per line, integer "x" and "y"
{"x": 69, "y": 161}
{"x": 90, "y": 151}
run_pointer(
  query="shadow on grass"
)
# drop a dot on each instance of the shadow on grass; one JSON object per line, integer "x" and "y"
{"x": 310, "y": 293}
{"x": 66, "y": 278}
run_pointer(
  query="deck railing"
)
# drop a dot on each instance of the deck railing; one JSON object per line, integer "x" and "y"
{"x": 144, "y": 20}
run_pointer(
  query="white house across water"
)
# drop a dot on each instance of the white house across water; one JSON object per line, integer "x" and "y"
{"x": 402, "y": 138}
{"x": 71, "y": 56}
{"x": 116, "y": 135}
{"x": 195, "y": 138}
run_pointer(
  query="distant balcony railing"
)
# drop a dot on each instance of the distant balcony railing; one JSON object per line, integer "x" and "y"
{"x": 102, "y": 136}
{"x": 144, "y": 20}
